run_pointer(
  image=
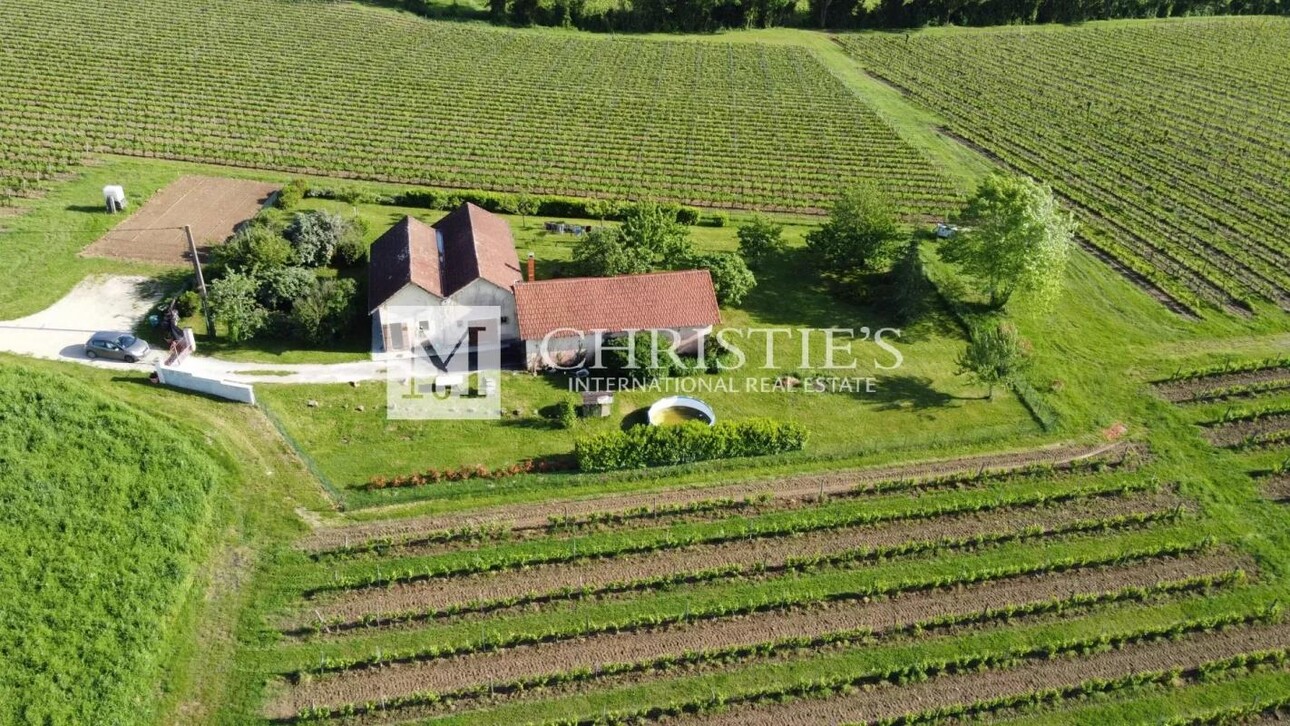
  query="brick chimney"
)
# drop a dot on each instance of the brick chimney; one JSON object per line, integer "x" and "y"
{"x": 532, "y": 268}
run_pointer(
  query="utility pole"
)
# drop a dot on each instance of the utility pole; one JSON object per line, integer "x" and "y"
{"x": 201, "y": 281}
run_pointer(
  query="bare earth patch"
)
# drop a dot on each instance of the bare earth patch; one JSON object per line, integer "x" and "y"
{"x": 1218, "y": 386}
{"x": 538, "y": 514}
{"x": 892, "y": 701}
{"x": 212, "y": 206}
{"x": 743, "y": 554}
{"x": 448, "y": 674}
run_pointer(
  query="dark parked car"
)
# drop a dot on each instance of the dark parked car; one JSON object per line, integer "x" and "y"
{"x": 116, "y": 345}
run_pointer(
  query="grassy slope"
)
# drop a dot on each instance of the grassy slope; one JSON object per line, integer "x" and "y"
{"x": 105, "y": 519}
{"x": 190, "y": 671}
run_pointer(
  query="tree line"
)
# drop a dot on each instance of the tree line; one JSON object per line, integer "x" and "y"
{"x": 712, "y": 15}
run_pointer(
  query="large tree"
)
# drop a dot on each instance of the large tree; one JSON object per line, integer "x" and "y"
{"x": 761, "y": 239}
{"x": 1017, "y": 239}
{"x": 604, "y": 251}
{"x": 255, "y": 249}
{"x": 233, "y": 302}
{"x": 653, "y": 228}
{"x": 649, "y": 238}
{"x": 731, "y": 278}
{"x": 860, "y": 235}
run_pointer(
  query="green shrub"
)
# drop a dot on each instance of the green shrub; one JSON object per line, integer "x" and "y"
{"x": 326, "y": 312}
{"x": 351, "y": 251}
{"x": 188, "y": 303}
{"x": 253, "y": 249}
{"x": 718, "y": 219}
{"x": 315, "y": 236}
{"x": 760, "y": 239}
{"x": 280, "y": 287}
{"x": 731, "y": 277}
{"x": 646, "y": 446}
{"x": 290, "y": 196}
{"x": 233, "y": 303}
{"x": 566, "y": 413}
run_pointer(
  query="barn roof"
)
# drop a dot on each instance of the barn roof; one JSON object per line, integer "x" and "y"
{"x": 653, "y": 301}
{"x": 406, "y": 253}
{"x": 468, "y": 244}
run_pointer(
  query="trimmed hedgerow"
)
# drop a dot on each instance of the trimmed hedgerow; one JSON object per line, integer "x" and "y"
{"x": 646, "y": 446}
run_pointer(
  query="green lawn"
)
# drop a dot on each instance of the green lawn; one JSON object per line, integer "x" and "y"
{"x": 923, "y": 405}
{"x": 106, "y": 517}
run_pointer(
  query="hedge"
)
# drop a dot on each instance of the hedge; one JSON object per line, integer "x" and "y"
{"x": 498, "y": 202}
{"x": 646, "y": 446}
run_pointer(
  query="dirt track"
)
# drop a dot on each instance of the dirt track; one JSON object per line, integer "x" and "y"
{"x": 212, "y": 206}
{"x": 1198, "y": 389}
{"x": 747, "y": 554}
{"x": 1237, "y": 432}
{"x": 889, "y": 701}
{"x": 512, "y": 663}
{"x": 1276, "y": 487}
{"x": 803, "y": 486}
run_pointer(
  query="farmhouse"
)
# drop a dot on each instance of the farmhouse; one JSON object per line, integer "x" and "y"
{"x": 560, "y": 311}
{"x": 468, "y": 258}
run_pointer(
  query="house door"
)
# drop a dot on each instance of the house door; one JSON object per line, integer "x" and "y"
{"x": 396, "y": 338}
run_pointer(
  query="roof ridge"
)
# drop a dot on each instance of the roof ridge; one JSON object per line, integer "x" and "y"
{"x": 652, "y": 273}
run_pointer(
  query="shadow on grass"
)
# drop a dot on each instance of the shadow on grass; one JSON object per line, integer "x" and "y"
{"x": 639, "y": 417}
{"x": 791, "y": 292}
{"x": 908, "y": 392}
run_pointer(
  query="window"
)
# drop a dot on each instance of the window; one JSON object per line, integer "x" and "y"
{"x": 505, "y": 319}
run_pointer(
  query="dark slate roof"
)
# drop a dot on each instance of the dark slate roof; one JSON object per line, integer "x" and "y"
{"x": 629, "y": 302}
{"x": 406, "y": 253}
{"x": 476, "y": 245}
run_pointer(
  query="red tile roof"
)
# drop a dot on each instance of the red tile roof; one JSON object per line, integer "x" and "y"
{"x": 407, "y": 252}
{"x": 476, "y": 244}
{"x": 629, "y": 302}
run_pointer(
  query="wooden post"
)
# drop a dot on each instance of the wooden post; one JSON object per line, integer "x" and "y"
{"x": 201, "y": 281}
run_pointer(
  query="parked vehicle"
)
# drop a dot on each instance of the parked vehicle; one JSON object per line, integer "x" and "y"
{"x": 945, "y": 231}
{"x": 116, "y": 345}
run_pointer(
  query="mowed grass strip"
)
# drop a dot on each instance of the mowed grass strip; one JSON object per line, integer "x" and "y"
{"x": 1191, "y": 650}
{"x": 847, "y": 547}
{"x": 707, "y": 601}
{"x": 1050, "y": 460}
{"x": 874, "y": 664}
{"x": 314, "y": 579}
{"x": 654, "y": 653}
{"x": 1217, "y": 698}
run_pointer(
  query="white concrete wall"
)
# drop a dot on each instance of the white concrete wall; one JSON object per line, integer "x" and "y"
{"x": 179, "y": 378}
{"x": 483, "y": 293}
{"x": 566, "y": 351}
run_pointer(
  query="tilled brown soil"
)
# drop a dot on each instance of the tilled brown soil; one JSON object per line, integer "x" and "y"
{"x": 889, "y": 701}
{"x": 747, "y": 554}
{"x": 805, "y": 486}
{"x": 211, "y": 206}
{"x": 510, "y": 664}
{"x": 1276, "y": 487}
{"x": 1231, "y": 434}
{"x": 1200, "y": 388}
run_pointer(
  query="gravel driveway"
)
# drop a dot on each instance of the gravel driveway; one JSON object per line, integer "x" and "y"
{"x": 96, "y": 303}
{"x": 107, "y": 302}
